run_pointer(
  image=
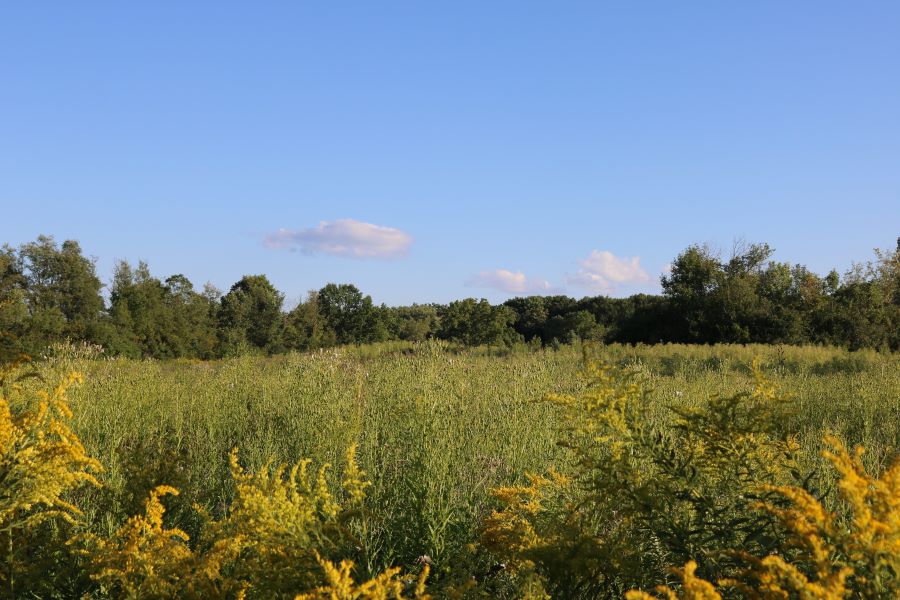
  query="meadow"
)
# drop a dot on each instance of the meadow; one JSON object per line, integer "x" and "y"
{"x": 436, "y": 429}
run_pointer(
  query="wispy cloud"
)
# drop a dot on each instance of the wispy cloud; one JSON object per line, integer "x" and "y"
{"x": 343, "y": 237}
{"x": 604, "y": 272}
{"x": 510, "y": 282}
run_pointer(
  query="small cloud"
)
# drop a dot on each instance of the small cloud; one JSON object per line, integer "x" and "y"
{"x": 604, "y": 272}
{"x": 509, "y": 282}
{"x": 343, "y": 237}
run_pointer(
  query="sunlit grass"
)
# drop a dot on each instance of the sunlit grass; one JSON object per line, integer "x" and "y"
{"x": 436, "y": 427}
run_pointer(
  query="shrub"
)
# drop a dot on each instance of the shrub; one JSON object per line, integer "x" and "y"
{"x": 826, "y": 555}
{"x": 278, "y": 538}
{"x": 645, "y": 494}
{"x": 41, "y": 461}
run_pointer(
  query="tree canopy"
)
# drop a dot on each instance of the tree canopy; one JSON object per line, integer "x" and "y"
{"x": 50, "y": 293}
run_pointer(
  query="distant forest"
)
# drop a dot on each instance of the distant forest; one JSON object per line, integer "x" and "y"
{"x": 51, "y": 293}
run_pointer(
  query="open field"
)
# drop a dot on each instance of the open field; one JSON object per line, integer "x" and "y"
{"x": 436, "y": 429}
{"x": 449, "y": 301}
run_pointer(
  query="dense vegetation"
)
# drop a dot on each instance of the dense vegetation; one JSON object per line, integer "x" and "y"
{"x": 697, "y": 468}
{"x": 50, "y": 293}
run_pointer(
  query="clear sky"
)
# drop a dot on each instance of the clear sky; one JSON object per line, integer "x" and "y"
{"x": 430, "y": 151}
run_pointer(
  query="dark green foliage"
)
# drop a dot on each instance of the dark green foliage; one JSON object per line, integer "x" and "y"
{"x": 305, "y": 328}
{"x": 692, "y": 285}
{"x": 576, "y": 325}
{"x": 162, "y": 320}
{"x": 194, "y": 315}
{"x": 414, "y": 323}
{"x": 13, "y": 309}
{"x": 350, "y": 315}
{"x": 62, "y": 293}
{"x": 744, "y": 301}
{"x": 50, "y": 294}
{"x": 250, "y": 315}
{"x": 476, "y": 322}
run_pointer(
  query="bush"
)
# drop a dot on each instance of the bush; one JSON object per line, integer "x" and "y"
{"x": 718, "y": 490}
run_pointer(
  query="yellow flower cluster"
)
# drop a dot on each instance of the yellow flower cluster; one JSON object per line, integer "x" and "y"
{"x": 270, "y": 544}
{"x": 386, "y": 586}
{"x": 860, "y": 553}
{"x": 600, "y": 414}
{"x": 143, "y": 559}
{"x": 692, "y": 588}
{"x": 824, "y": 557}
{"x": 40, "y": 459}
{"x": 41, "y": 462}
{"x": 512, "y": 530}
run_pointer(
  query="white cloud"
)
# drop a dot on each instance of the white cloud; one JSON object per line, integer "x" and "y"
{"x": 604, "y": 272}
{"x": 509, "y": 282}
{"x": 344, "y": 237}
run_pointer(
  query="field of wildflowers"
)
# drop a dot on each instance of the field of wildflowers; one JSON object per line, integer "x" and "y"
{"x": 427, "y": 471}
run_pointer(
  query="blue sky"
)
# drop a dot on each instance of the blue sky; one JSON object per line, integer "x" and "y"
{"x": 432, "y": 151}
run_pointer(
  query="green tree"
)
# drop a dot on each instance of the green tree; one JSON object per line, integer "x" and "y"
{"x": 732, "y": 301}
{"x": 250, "y": 314}
{"x": 576, "y": 325}
{"x": 691, "y": 287}
{"x": 414, "y": 323}
{"x": 886, "y": 272}
{"x": 785, "y": 292}
{"x": 162, "y": 320}
{"x": 194, "y": 315}
{"x": 123, "y": 298}
{"x": 62, "y": 293}
{"x": 808, "y": 295}
{"x": 736, "y": 312}
{"x": 351, "y": 315}
{"x": 13, "y": 309}
{"x": 531, "y": 317}
{"x": 305, "y": 328}
{"x": 476, "y": 322}
{"x": 149, "y": 314}
{"x": 862, "y": 309}
{"x": 859, "y": 319}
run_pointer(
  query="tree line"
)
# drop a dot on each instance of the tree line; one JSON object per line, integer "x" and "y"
{"x": 50, "y": 292}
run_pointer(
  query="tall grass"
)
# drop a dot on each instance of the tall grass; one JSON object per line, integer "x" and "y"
{"x": 436, "y": 427}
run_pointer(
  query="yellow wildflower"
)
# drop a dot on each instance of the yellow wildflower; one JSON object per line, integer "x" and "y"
{"x": 692, "y": 588}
